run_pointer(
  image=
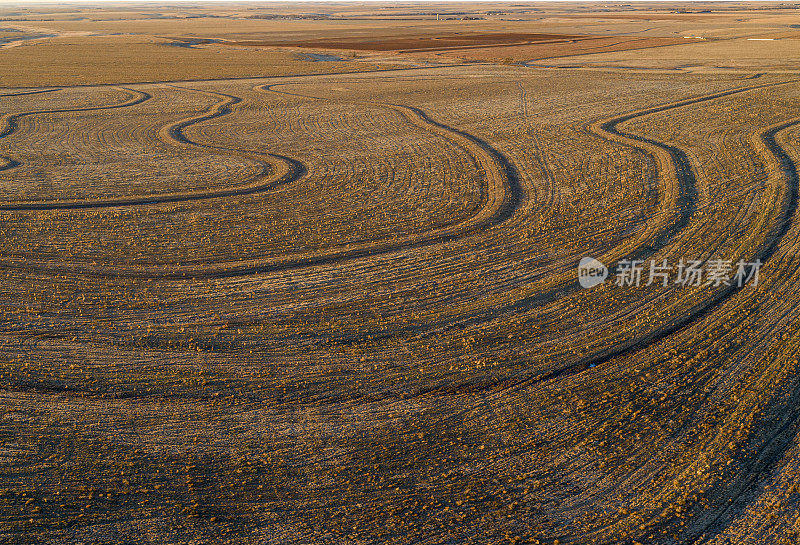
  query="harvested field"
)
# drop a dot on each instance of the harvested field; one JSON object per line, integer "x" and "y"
{"x": 317, "y": 307}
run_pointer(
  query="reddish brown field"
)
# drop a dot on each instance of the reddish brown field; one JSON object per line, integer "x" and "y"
{"x": 564, "y": 48}
{"x": 420, "y": 43}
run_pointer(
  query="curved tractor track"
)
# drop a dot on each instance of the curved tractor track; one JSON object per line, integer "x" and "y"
{"x": 32, "y": 92}
{"x": 783, "y": 173}
{"x": 678, "y": 207}
{"x": 501, "y": 195}
{"x": 675, "y": 162}
{"x": 774, "y": 438}
{"x": 679, "y": 186}
{"x": 275, "y": 170}
{"x": 779, "y": 439}
{"x": 10, "y": 122}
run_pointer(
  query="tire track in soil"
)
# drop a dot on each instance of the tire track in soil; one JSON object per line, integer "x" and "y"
{"x": 502, "y": 194}
{"x": 681, "y": 168}
{"x": 778, "y": 443}
{"x": 728, "y": 494}
{"x": 781, "y": 437}
{"x": 784, "y": 222}
{"x": 678, "y": 163}
{"x": 277, "y": 171}
{"x": 34, "y": 92}
{"x": 10, "y": 122}
{"x": 673, "y": 163}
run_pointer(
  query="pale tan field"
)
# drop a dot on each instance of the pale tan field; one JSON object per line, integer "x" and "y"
{"x": 780, "y": 55}
{"x": 251, "y": 297}
{"x": 85, "y": 60}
